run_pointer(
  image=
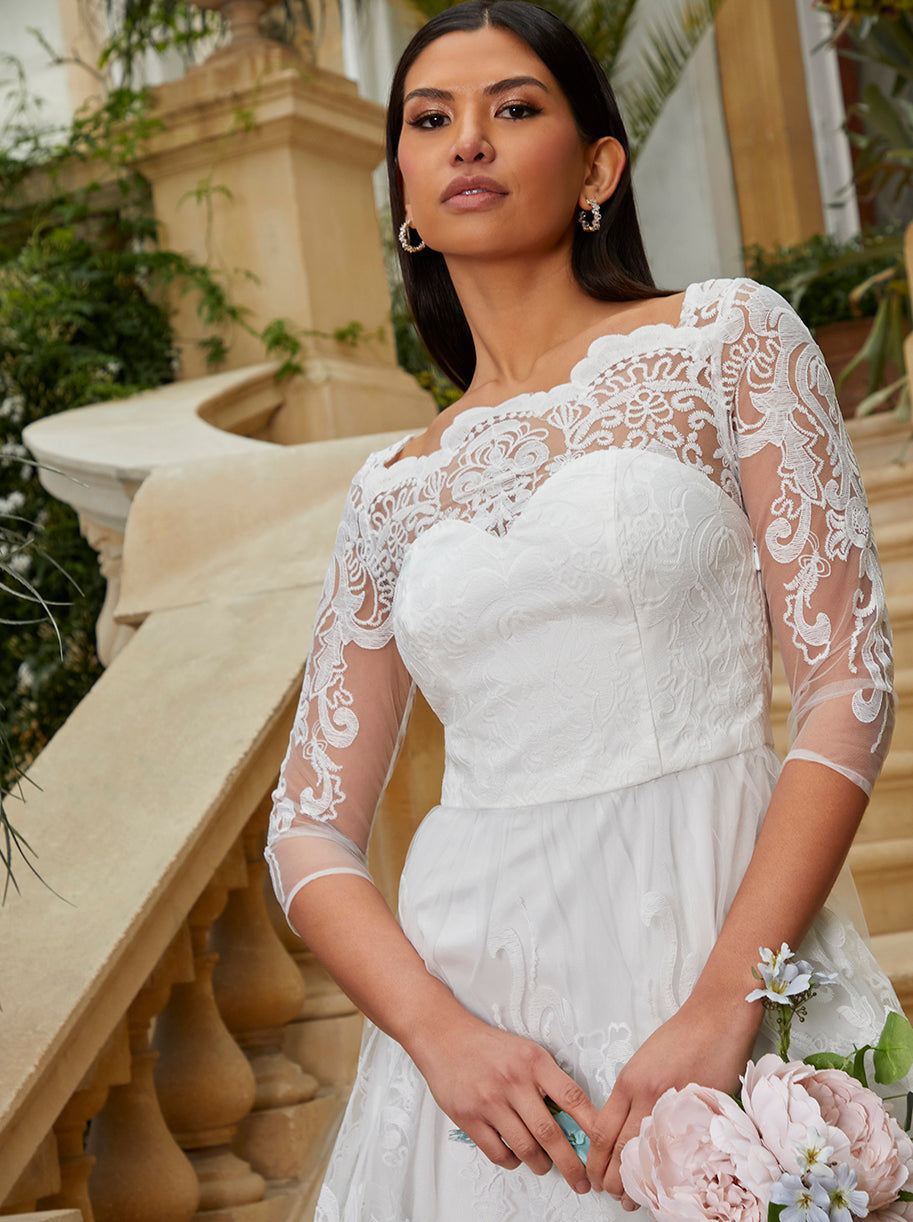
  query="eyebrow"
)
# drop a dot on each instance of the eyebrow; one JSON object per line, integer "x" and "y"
{"x": 444, "y": 95}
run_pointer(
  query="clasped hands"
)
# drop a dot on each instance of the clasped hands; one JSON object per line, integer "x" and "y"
{"x": 493, "y": 1083}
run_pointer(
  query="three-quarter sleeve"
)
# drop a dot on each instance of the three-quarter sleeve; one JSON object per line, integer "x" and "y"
{"x": 803, "y": 494}
{"x": 353, "y": 705}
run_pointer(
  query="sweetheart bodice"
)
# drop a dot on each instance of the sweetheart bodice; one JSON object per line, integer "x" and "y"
{"x": 615, "y": 633}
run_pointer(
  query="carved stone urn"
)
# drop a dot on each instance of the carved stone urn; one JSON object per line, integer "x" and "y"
{"x": 242, "y": 18}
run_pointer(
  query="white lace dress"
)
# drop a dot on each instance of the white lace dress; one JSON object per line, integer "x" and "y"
{"x": 582, "y": 582}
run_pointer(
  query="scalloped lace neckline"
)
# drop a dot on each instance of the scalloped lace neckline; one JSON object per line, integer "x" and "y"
{"x": 388, "y": 463}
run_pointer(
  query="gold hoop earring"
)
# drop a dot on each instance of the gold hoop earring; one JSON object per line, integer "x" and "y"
{"x": 404, "y": 240}
{"x": 590, "y": 221}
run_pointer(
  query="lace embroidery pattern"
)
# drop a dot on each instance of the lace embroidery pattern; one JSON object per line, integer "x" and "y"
{"x": 672, "y": 388}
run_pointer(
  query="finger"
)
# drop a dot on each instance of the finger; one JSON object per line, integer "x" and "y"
{"x": 489, "y": 1141}
{"x": 570, "y": 1097}
{"x": 612, "y": 1178}
{"x": 527, "y": 1146}
{"x": 545, "y": 1131}
{"x": 604, "y": 1135}
{"x": 573, "y": 1099}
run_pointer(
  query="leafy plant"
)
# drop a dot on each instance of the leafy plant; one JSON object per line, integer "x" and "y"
{"x": 84, "y": 318}
{"x": 879, "y": 34}
{"x": 821, "y": 274}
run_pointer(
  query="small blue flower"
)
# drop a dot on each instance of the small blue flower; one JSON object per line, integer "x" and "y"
{"x": 845, "y": 1198}
{"x": 804, "y": 1203}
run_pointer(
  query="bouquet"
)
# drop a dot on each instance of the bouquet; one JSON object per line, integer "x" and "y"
{"x": 806, "y": 1141}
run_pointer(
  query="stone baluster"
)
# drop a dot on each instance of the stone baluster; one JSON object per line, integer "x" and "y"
{"x": 204, "y": 1081}
{"x": 325, "y": 1037}
{"x": 110, "y": 637}
{"x": 259, "y": 989}
{"x": 111, "y": 1067}
{"x": 40, "y": 1176}
{"x": 140, "y": 1171}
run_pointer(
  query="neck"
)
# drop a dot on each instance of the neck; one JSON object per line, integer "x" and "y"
{"x": 521, "y": 311}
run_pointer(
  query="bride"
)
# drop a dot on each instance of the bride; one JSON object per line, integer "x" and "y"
{"x": 579, "y": 563}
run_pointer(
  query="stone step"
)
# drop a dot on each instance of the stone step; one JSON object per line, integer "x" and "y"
{"x": 895, "y": 551}
{"x": 903, "y": 725}
{"x": 879, "y": 441}
{"x": 883, "y": 872}
{"x": 889, "y": 491}
{"x": 894, "y": 951}
{"x": 890, "y": 811}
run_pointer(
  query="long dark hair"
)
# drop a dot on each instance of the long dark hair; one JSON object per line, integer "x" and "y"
{"x": 610, "y": 265}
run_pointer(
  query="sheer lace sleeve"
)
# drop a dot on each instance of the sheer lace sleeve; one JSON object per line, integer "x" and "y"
{"x": 344, "y": 739}
{"x": 820, "y": 570}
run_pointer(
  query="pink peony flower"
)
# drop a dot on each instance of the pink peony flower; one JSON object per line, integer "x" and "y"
{"x": 786, "y": 1099}
{"x": 698, "y": 1156}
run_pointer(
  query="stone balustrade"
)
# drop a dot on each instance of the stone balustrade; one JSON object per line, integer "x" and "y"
{"x": 168, "y": 1049}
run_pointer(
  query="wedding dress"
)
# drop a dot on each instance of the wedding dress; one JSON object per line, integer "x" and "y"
{"x": 582, "y": 582}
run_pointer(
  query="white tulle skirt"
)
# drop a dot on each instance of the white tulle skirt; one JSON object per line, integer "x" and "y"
{"x": 583, "y": 926}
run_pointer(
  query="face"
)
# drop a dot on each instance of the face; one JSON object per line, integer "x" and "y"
{"x": 490, "y": 157}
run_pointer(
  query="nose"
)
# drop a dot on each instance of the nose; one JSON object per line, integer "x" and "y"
{"x": 471, "y": 142}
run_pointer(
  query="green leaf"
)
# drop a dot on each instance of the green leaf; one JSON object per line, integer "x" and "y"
{"x": 774, "y": 1211}
{"x": 903, "y": 1195}
{"x": 858, "y": 1070}
{"x": 893, "y": 1054}
{"x": 830, "y": 1060}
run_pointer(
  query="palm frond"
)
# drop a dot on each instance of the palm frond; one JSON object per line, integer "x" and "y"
{"x": 659, "y": 67}
{"x": 602, "y": 24}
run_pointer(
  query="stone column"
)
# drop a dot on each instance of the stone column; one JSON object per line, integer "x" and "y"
{"x": 140, "y": 1172}
{"x": 112, "y": 1066}
{"x": 770, "y": 133}
{"x": 259, "y": 990}
{"x": 288, "y": 150}
{"x": 203, "y": 1080}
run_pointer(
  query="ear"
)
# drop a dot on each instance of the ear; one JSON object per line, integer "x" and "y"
{"x": 403, "y": 193}
{"x": 606, "y": 163}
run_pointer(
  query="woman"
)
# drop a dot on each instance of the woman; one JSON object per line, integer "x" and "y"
{"x": 579, "y": 579}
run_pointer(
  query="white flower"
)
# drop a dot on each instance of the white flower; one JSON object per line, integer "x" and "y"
{"x": 803, "y": 1203}
{"x": 816, "y": 977}
{"x": 845, "y": 1197}
{"x": 781, "y": 978}
{"x": 780, "y": 982}
{"x": 813, "y": 1154}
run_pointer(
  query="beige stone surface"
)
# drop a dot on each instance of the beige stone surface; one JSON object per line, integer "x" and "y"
{"x": 135, "y": 802}
{"x": 236, "y": 526}
{"x": 97, "y": 456}
{"x": 289, "y": 149}
{"x": 52, "y": 1215}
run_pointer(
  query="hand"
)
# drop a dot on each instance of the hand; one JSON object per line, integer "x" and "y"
{"x": 695, "y": 1045}
{"x": 492, "y": 1084}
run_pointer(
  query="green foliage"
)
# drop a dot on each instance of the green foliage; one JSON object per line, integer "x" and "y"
{"x": 828, "y": 281}
{"x": 84, "y": 287}
{"x": 820, "y": 275}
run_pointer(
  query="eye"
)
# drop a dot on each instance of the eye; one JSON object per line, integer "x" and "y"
{"x": 518, "y": 110}
{"x": 430, "y": 120}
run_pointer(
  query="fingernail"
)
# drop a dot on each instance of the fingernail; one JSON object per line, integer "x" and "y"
{"x": 582, "y": 1186}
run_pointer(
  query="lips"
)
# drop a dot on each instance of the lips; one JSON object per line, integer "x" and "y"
{"x": 470, "y": 186}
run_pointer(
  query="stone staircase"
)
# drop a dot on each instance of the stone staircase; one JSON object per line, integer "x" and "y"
{"x": 882, "y": 857}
